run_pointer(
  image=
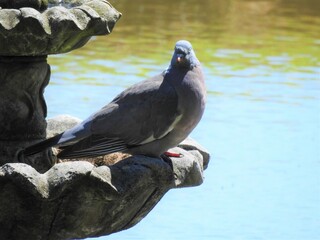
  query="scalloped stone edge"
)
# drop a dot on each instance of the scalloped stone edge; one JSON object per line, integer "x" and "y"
{"x": 28, "y": 32}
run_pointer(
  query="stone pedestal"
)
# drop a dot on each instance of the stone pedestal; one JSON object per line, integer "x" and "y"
{"x": 22, "y": 107}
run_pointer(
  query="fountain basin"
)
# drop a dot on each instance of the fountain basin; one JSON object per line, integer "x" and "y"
{"x": 29, "y": 32}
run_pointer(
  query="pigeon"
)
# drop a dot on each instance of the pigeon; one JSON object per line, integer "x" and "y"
{"x": 148, "y": 118}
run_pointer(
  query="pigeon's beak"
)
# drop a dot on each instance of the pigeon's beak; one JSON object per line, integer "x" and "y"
{"x": 180, "y": 58}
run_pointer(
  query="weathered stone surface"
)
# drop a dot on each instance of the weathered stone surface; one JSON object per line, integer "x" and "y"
{"x": 188, "y": 170}
{"x": 22, "y": 106}
{"x": 60, "y": 123}
{"x": 190, "y": 144}
{"x": 28, "y": 32}
{"x": 77, "y": 200}
{"x": 37, "y": 4}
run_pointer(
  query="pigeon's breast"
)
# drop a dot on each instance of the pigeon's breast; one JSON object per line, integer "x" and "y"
{"x": 192, "y": 97}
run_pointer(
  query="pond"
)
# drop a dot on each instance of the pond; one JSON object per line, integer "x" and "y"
{"x": 262, "y": 122}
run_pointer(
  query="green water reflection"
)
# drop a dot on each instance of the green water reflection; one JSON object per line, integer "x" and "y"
{"x": 279, "y": 34}
{"x": 262, "y": 122}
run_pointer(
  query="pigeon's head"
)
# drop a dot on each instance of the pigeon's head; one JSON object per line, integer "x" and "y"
{"x": 184, "y": 56}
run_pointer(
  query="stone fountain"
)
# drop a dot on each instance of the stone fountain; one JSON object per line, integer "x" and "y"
{"x": 40, "y": 199}
{"x": 29, "y": 31}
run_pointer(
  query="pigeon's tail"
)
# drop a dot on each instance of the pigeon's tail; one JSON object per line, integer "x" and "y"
{"x": 41, "y": 146}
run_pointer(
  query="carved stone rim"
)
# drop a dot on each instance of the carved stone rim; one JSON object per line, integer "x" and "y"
{"x": 77, "y": 199}
{"x": 28, "y": 32}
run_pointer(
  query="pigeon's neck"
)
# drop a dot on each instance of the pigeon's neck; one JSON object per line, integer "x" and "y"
{"x": 182, "y": 69}
{"x": 181, "y": 78}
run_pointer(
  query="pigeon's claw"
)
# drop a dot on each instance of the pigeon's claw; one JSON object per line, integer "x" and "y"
{"x": 171, "y": 154}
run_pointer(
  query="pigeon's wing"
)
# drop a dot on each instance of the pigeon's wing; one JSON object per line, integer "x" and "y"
{"x": 144, "y": 112}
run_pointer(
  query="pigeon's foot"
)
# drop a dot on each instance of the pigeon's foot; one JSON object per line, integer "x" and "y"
{"x": 171, "y": 154}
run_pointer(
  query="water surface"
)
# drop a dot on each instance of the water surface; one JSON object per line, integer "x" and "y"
{"x": 262, "y": 122}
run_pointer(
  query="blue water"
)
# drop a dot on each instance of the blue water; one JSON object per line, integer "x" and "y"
{"x": 263, "y": 179}
{"x": 261, "y": 125}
